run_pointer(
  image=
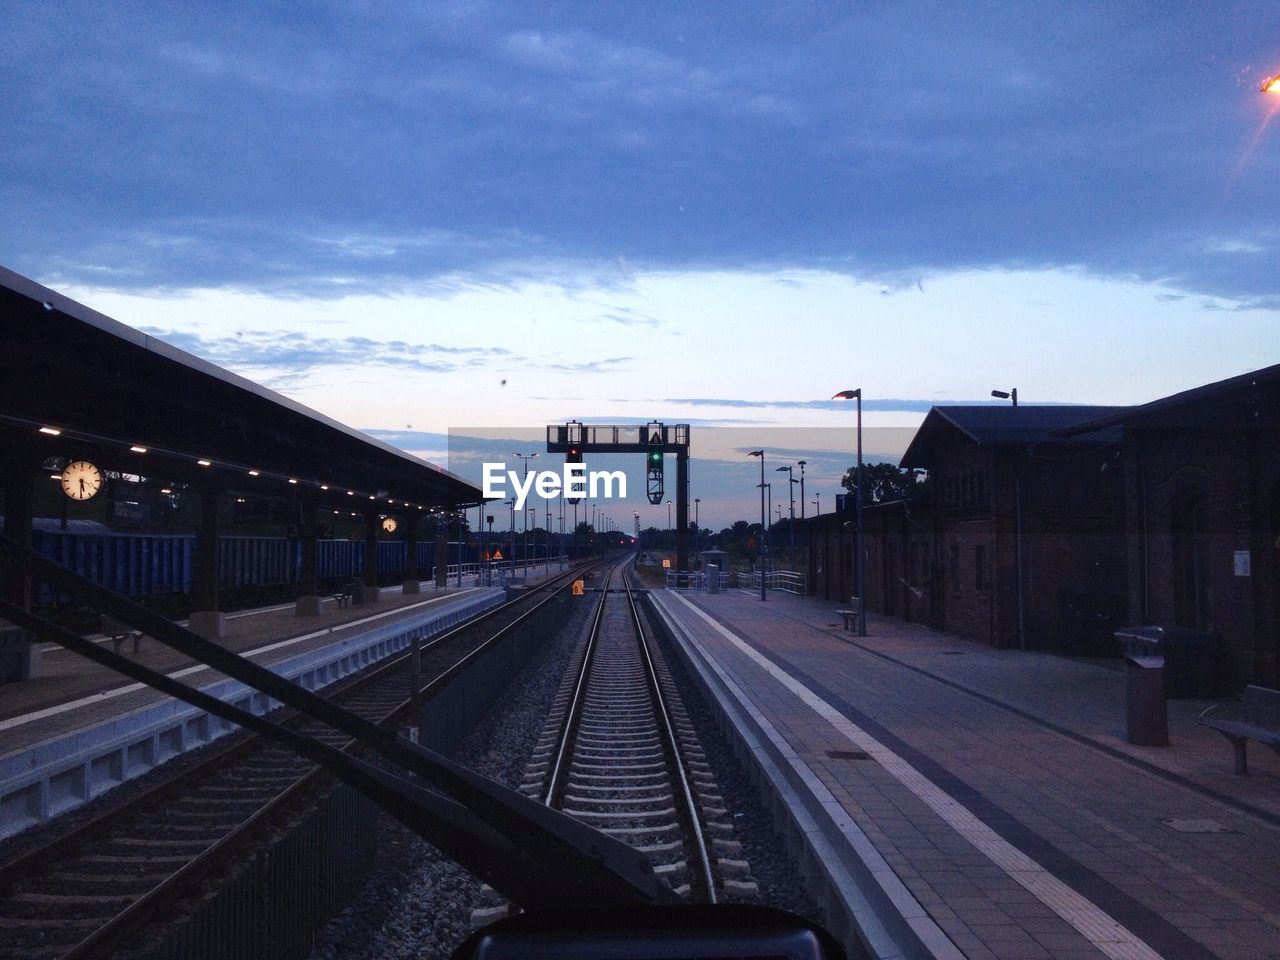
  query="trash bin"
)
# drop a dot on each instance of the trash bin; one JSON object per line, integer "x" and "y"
{"x": 713, "y": 577}
{"x": 1146, "y": 712}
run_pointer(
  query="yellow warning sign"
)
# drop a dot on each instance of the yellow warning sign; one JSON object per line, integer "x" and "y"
{"x": 497, "y": 555}
{"x": 666, "y": 563}
{"x": 579, "y": 588}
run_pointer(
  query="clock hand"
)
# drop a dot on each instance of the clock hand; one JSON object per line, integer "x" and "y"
{"x": 82, "y": 484}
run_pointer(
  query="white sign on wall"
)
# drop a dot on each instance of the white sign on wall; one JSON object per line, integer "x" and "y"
{"x": 1242, "y": 564}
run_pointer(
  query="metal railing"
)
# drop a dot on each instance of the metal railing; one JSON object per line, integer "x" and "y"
{"x": 784, "y": 581}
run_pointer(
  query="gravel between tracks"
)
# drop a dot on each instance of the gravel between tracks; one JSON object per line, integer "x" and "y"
{"x": 418, "y": 904}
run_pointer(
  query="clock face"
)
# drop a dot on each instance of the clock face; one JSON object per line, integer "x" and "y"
{"x": 81, "y": 480}
{"x": 389, "y": 524}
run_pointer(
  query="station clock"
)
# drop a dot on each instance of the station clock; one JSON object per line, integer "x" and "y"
{"x": 389, "y": 524}
{"x": 81, "y": 480}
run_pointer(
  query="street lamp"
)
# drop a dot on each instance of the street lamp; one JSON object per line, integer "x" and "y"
{"x": 1006, "y": 395}
{"x": 791, "y": 527}
{"x": 856, "y": 394}
{"x": 817, "y": 504}
{"x": 526, "y": 457}
{"x": 668, "y": 521}
{"x": 764, "y": 542}
{"x": 800, "y": 464}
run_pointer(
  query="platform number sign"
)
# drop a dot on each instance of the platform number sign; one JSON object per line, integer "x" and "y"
{"x": 579, "y": 588}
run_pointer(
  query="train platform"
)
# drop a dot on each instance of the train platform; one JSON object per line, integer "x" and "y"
{"x": 962, "y": 801}
{"x": 80, "y": 729}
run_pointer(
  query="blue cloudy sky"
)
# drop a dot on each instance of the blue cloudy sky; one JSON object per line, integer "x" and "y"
{"x": 415, "y": 217}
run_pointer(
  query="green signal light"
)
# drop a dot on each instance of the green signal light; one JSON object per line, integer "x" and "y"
{"x": 655, "y": 456}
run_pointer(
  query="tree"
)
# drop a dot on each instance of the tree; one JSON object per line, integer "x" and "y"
{"x": 886, "y": 482}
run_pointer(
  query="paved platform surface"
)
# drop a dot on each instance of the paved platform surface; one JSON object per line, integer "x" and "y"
{"x": 72, "y": 692}
{"x": 999, "y": 788}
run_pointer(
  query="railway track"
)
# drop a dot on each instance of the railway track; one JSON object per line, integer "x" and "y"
{"x": 81, "y": 893}
{"x": 619, "y": 752}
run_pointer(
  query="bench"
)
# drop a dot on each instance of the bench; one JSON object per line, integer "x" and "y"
{"x": 345, "y": 593}
{"x": 118, "y": 633}
{"x": 851, "y": 616}
{"x": 1257, "y": 717}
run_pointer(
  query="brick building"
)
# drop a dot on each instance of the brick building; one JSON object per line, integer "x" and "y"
{"x": 900, "y": 565}
{"x": 1021, "y": 541}
{"x": 1202, "y": 503}
{"x": 1027, "y": 525}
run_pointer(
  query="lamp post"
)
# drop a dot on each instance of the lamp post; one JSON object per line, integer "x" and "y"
{"x": 800, "y": 464}
{"x": 791, "y": 526}
{"x": 1012, "y": 394}
{"x": 530, "y": 561}
{"x": 512, "y": 504}
{"x": 526, "y": 457}
{"x": 817, "y": 504}
{"x": 696, "y": 525}
{"x": 764, "y": 542}
{"x": 856, "y": 394}
{"x": 488, "y": 560}
{"x": 669, "y": 521}
{"x": 769, "y": 513}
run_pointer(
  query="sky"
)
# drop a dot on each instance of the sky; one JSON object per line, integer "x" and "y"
{"x": 417, "y": 218}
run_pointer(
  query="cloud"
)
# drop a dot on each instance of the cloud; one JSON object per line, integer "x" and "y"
{"x": 300, "y": 353}
{"x": 327, "y": 148}
{"x": 908, "y": 406}
{"x": 607, "y": 365}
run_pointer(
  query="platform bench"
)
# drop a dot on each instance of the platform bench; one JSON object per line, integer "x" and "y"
{"x": 850, "y": 618}
{"x": 1257, "y": 717}
{"x": 118, "y": 633}
{"x": 345, "y": 593}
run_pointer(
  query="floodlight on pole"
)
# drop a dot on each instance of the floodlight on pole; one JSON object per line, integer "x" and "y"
{"x": 856, "y": 394}
{"x": 1006, "y": 395}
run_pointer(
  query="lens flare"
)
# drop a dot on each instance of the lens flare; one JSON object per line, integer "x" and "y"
{"x": 1271, "y": 85}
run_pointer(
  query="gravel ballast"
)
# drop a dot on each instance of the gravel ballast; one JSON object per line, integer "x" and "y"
{"x": 419, "y": 904}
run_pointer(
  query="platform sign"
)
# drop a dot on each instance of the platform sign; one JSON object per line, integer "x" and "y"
{"x": 579, "y": 588}
{"x": 497, "y": 555}
{"x": 666, "y": 563}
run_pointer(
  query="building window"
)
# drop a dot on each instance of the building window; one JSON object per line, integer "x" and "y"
{"x": 980, "y": 568}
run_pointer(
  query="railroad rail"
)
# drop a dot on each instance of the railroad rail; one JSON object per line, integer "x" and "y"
{"x": 619, "y": 753}
{"x": 99, "y": 883}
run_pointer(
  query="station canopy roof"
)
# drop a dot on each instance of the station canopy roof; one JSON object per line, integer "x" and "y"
{"x": 104, "y": 384}
{"x": 1003, "y": 425}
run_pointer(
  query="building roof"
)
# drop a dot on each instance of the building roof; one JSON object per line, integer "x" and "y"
{"x": 108, "y": 385}
{"x": 1002, "y": 425}
{"x": 1214, "y": 404}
